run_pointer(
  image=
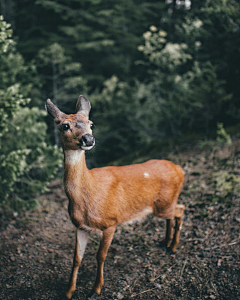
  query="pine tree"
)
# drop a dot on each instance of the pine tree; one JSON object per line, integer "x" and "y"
{"x": 61, "y": 80}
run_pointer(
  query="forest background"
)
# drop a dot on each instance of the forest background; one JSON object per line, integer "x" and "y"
{"x": 157, "y": 73}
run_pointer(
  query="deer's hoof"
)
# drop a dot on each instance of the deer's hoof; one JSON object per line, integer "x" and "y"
{"x": 68, "y": 295}
{"x": 170, "y": 251}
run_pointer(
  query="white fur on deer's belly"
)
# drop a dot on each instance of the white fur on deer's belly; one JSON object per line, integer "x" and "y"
{"x": 139, "y": 215}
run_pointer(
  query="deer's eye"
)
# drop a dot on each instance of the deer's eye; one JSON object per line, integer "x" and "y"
{"x": 65, "y": 127}
{"x": 91, "y": 126}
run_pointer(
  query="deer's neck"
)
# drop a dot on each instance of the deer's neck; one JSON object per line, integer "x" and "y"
{"x": 77, "y": 177}
{"x": 73, "y": 158}
{"x": 79, "y": 186}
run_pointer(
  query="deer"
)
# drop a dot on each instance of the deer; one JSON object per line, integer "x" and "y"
{"x": 101, "y": 198}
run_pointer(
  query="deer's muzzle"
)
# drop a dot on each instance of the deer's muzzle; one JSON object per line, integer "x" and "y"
{"x": 87, "y": 141}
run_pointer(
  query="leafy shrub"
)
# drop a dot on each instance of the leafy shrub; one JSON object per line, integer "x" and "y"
{"x": 222, "y": 136}
{"x": 186, "y": 93}
{"x": 226, "y": 184}
{"x": 26, "y": 161}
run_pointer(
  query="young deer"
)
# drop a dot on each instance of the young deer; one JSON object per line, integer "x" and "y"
{"x": 101, "y": 198}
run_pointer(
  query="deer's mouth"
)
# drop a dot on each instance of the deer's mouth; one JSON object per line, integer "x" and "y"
{"x": 86, "y": 142}
{"x": 86, "y": 147}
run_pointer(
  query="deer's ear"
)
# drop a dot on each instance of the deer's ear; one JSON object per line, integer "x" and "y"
{"x": 52, "y": 110}
{"x": 83, "y": 106}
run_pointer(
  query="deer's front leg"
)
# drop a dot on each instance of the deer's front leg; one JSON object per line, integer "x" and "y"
{"x": 101, "y": 256}
{"x": 81, "y": 242}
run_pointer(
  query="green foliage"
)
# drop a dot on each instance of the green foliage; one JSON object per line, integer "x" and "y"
{"x": 65, "y": 80}
{"x": 184, "y": 91}
{"x": 222, "y": 139}
{"x": 145, "y": 89}
{"x": 115, "y": 116}
{"x": 5, "y": 35}
{"x": 178, "y": 94}
{"x": 26, "y": 163}
{"x": 11, "y": 63}
{"x": 224, "y": 180}
{"x": 11, "y": 100}
{"x": 222, "y": 136}
{"x": 212, "y": 175}
{"x": 166, "y": 56}
{"x": 226, "y": 184}
{"x": 220, "y": 44}
{"x": 101, "y": 35}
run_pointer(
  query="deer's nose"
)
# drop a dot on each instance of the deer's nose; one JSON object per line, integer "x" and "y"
{"x": 87, "y": 140}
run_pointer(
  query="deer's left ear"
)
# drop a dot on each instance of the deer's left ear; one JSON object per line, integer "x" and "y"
{"x": 83, "y": 106}
{"x": 52, "y": 110}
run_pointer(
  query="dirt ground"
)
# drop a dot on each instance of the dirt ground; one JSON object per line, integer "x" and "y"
{"x": 36, "y": 248}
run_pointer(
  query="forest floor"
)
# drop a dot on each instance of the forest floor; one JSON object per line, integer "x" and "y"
{"x": 36, "y": 248}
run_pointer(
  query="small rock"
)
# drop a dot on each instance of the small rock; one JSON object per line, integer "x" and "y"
{"x": 219, "y": 262}
{"x": 120, "y": 296}
{"x": 158, "y": 286}
{"x": 50, "y": 250}
{"x": 12, "y": 258}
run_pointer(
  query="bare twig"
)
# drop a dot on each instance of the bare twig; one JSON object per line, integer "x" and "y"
{"x": 196, "y": 239}
{"x": 184, "y": 265}
{"x": 232, "y": 243}
{"x": 156, "y": 278}
{"x": 132, "y": 286}
{"x": 93, "y": 240}
{"x": 214, "y": 288}
{"x": 155, "y": 272}
{"x": 224, "y": 245}
{"x": 134, "y": 295}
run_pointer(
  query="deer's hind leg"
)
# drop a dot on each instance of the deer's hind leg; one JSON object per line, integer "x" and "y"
{"x": 166, "y": 242}
{"x": 169, "y": 232}
{"x": 179, "y": 211}
{"x": 172, "y": 214}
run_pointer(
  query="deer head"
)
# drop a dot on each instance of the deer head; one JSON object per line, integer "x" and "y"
{"x": 75, "y": 129}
